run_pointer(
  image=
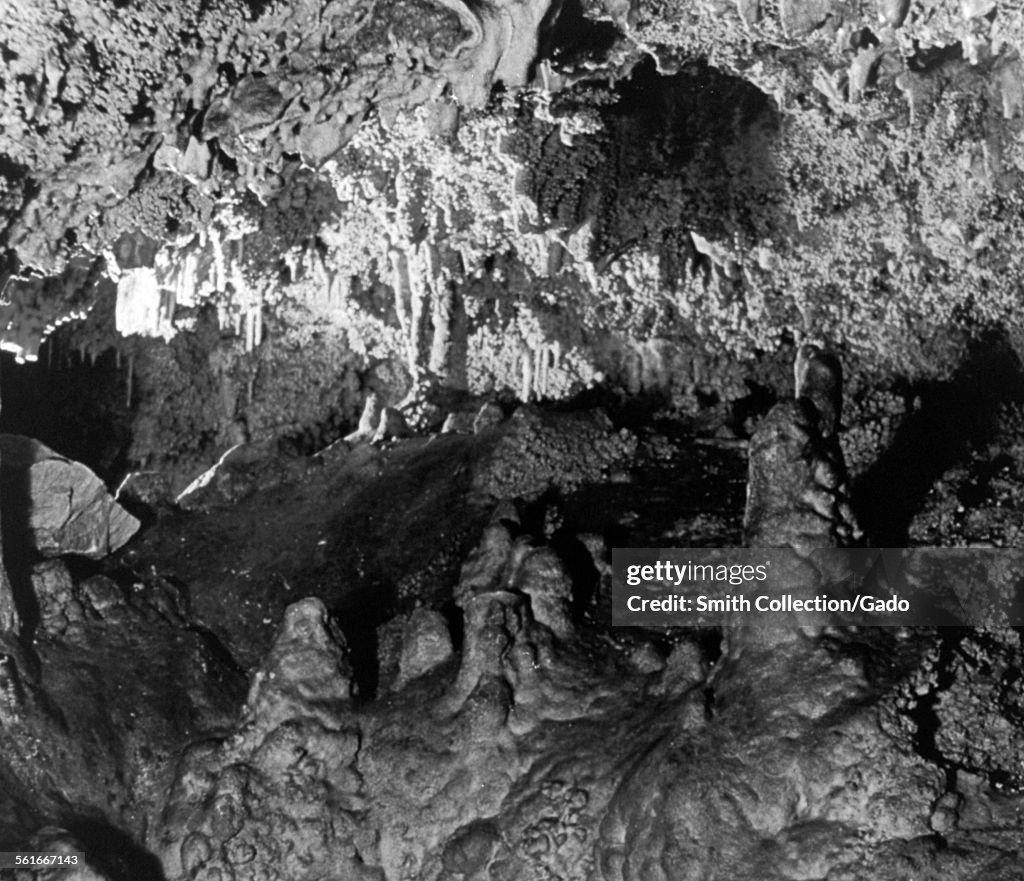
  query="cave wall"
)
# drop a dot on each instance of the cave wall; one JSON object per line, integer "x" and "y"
{"x": 333, "y": 198}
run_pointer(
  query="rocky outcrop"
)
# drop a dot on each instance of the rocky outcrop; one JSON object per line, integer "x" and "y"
{"x": 95, "y": 707}
{"x": 281, "y": 798}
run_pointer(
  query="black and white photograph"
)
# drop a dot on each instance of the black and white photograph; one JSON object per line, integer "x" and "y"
{"x": 511, "y": 440}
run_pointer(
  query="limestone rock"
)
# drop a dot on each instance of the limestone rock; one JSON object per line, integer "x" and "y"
{"x": 10, "y": 622}
{"x": 796, "y": 492}
{"x": 459, "y": 423}
{"x": 800, "y": 17}
{"x": 486, "y": 566}
{"x": 543, "y": 578}
{"x": 59, "y": 506}
{"x": 470, "y": 849}
{"x": 410, "y": 646}
{"x": 306, "y": 673}
{"x": 149, "y": 488}
{"x": 426, "y": 644}
{"x": 540, "y": 449}
{"x": 819, "y": 378}
{"x": 978, "y": 708}
{"x": 489, "y": 415}
{"x": 242, "y": 470}
{"x": 369, "y": 420}
{"x": 233, "y": 810}
{"x": 102, "y": 598}
{"x": 54, "y": 593}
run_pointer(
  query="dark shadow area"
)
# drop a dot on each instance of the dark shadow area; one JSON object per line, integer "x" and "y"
{"x": 925, "y": 712}
{"x": 360, "y": 632}
{"x": 71, "y": 404}
{"x": 19, "y": 814}
{"x": 114, "y": 852}
{"x": 580, "y": 565}
{"x": 691, "y": 150}
{"x": 954, "y": 417}
{"x": 709, "y": 133}
{"x": 753, "y": 406}
{"x": 18, "y": 554}
{"x": 456, "y": 624}
{"x": 568, "y": 38}
{"x": 931, "y": 58}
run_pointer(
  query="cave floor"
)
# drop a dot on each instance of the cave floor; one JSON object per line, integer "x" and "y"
{"x": 193, "y": 610}
{"x": 383, "y": 528}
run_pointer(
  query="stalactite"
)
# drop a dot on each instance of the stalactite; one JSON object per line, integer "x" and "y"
{"x": 441, "y": 317}
{"x": 130, "y": 381}
{"x": 526, "y": 361}
{"x": 540, "y": 372}
{"x": 219, "y": 268}
{"x": 336, "y": 293}
{"x": 400, "y": 284}
{"x": 419, "y": 293}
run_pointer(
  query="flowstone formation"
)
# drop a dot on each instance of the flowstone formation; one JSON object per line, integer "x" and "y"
{"x": 543, "y": 746}
{"x": 397, "y": 663}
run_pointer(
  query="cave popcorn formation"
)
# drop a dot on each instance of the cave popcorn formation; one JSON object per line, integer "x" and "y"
{"x": 598, "y": 221}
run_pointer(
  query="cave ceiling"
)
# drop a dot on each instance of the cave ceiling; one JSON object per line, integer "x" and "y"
{"x": 530, "y": 195}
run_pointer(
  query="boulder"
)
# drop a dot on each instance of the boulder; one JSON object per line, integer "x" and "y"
{"x": 56, "y": 505}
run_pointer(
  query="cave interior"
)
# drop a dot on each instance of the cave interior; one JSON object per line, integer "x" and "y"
{"x": 343, "y": 342}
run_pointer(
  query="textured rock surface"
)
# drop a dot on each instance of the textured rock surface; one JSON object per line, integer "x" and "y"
{"x": 241, "y": 471}
{"x": 527, "y": 760}
{"x": 300, "y": 212}
{"x": 57, "y": 506}
{"x": 279, "y": 799}
{"x": 541, "y": 450}
{"x": 482, "y": 721}
{"x": 95, "y": 711}
{"x": 510, "y": 197}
